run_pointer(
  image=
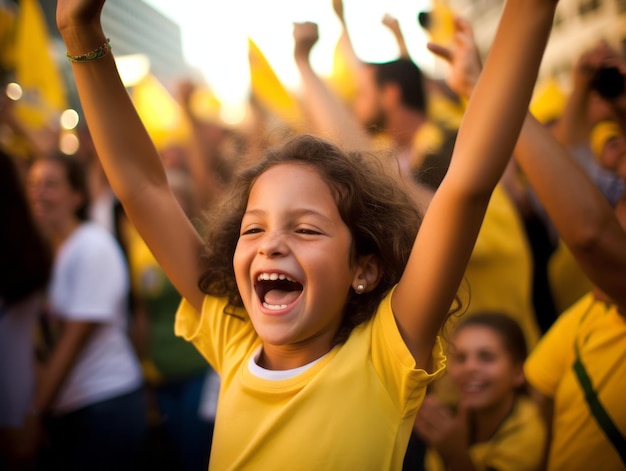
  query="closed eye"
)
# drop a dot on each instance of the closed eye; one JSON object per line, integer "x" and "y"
{"x": 253, "y": 230}
{"x": 308, "y": 231}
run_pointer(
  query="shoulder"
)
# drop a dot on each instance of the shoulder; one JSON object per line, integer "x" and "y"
{"x": 526, "y": 424}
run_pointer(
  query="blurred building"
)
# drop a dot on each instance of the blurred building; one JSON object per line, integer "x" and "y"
{"x": 134, "y": 27}
{"x": 578, "y": 25}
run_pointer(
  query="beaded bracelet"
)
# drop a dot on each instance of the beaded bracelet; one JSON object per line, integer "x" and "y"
{"x": 91, "y": 56}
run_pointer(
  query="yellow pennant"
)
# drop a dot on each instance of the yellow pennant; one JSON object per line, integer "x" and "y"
{"x": 160, "y": 113}
{"x": 268, "y": 90}
{"x": 343, "y": 79}
{"x": 36, "y": 71}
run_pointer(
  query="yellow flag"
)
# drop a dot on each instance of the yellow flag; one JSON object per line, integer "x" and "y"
{"x": 205, "y": 105}
{"x": 160, "y": 113}
{"x": 35, "y": 69}
{"x": 268, "y": 90}
{"x": 440, "y": 23}
{"x": 343, "y": 79}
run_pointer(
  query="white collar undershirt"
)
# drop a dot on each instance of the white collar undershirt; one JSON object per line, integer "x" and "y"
{"x": 261, "y": 372}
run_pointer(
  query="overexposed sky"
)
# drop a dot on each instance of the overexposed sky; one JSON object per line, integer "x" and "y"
{"x": 214, "y": 35}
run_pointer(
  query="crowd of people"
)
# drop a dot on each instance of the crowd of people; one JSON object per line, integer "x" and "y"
{"x": 420, "y": 275}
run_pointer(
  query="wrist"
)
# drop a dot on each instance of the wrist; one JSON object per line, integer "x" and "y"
{"x": 82, "y": 39}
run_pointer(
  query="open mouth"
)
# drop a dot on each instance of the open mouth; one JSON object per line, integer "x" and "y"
{"x": 473, "y": 387}
{"x": 276, "y": 290}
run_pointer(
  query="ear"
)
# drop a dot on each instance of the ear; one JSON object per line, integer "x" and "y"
{"x": 518, "y": 378}
{"x": 367, "y": 273}
{"x": 390, "y": 95}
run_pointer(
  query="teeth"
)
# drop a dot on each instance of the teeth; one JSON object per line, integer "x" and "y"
{"x": 273, "y": 277}
{"x": 473, "y": 385}
{"x": 274, "y": 307}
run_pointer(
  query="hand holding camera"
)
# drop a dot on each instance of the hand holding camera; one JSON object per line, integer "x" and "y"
{"x": 602, "y": 70}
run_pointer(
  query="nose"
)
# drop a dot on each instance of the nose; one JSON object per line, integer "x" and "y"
{"x": 34, "y": 190}
{"x": 273, "y": 244}
{"x": 469, "y": 364}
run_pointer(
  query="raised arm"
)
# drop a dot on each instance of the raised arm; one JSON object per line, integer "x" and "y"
{"x": 128, "y": 156}
{"x": 393, "y": 25}
{"x": 586, "y": 222}
{"x": 485, "y": 142}
{"x": 329, "y": 115}
{"x": 573, "y": 126}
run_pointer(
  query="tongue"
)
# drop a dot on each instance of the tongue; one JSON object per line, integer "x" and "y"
{"x": 279, "y": 297}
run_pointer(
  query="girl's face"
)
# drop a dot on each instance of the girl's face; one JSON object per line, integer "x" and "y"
{"x": 51, "y": 197}
{"x": 292, "y": 261}
{"x": 482, "y": 368}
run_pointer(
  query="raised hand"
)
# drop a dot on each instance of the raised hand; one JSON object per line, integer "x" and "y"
{"x": 463, "y": 57}
{"x": 305, "y": 36}
{"x": 391, "y": 22}
{"x": 77, "y": 13}
{"x": 441, "y": 428}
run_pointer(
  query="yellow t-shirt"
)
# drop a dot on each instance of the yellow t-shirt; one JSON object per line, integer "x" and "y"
{"x": 353, "y": 409}
{"x": 499, "y": 272}
{"x": 517, "y": 445}
{"x": 599, "y": 331}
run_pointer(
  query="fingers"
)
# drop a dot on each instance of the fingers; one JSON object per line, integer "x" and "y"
{"x": 433, "y": 421}
{"x": 461, "y": 25}
{"x": 440, "y": 51}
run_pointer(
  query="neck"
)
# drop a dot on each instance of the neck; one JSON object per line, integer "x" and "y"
{"x": 402, "y": 126}
{"x": 281, "y": 358}
{"x": 486, "y": 422}
{"x": 58, "y": 234}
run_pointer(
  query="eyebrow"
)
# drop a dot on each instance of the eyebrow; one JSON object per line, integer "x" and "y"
{"x": 294, "y": 213}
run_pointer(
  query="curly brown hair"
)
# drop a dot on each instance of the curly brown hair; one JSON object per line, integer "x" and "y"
{"x": 372, "y": 201}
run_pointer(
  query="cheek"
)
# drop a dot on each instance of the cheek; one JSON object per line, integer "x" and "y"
{"x": 241, "y": 266}
{"x": 456, "y": 371}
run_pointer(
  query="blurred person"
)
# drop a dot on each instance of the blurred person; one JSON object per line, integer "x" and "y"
{"x": 608, "y": 144}
{"x": 25, "y": 267}
{"x": 389, "y": 111}
{"x": 89, "y": 394}
{"x": 495, "y": 425}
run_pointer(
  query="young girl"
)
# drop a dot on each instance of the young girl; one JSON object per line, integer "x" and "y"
{"x": 317, "y": 306}
{"x": 496, "y": 426}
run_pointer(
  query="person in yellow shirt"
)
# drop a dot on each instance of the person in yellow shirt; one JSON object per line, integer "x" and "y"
{"x": 318, "y": 294}
{"x": 495, "y": 424}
